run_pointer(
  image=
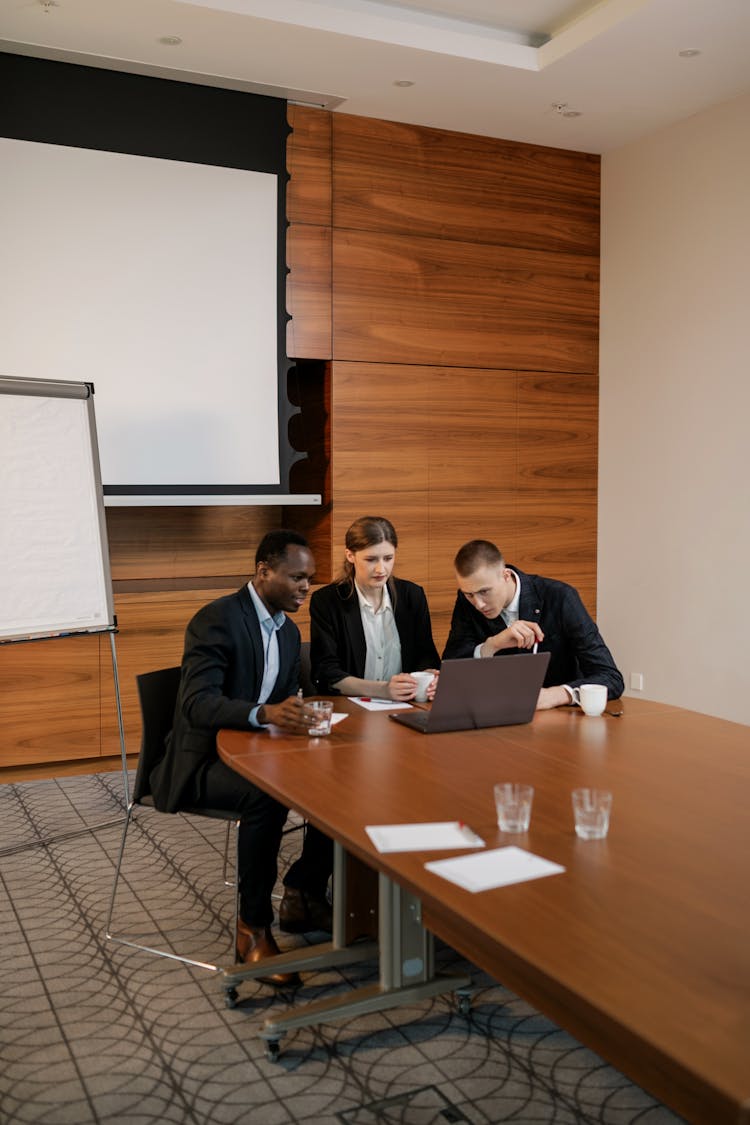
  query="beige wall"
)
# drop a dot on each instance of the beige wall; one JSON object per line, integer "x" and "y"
{"x": 674, "y": 500}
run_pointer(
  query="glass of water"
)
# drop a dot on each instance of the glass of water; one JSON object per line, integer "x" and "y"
{"x": 513, "y": 804}
{"x": 591, "y": 809}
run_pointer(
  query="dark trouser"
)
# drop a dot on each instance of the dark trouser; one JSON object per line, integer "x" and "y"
{"x": 262, "y": 822}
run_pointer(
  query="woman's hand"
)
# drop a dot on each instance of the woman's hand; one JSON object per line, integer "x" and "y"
{"x": 401, "y": 687}
{"x": 432, "y": 686}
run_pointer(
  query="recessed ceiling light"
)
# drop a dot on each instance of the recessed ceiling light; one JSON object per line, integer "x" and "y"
{"x": 403, "y": 82}
{"x": 170, "y": 40}
{"x": 690, "y": 53}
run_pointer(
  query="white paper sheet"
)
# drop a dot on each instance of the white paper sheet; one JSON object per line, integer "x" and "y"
{"x": 437, "y": 836}
{"x": 500, "y": 867}
{"x": 379, "y": 704}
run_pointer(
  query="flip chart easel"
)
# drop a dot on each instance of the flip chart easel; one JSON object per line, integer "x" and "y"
{"x": 53, "y": 536}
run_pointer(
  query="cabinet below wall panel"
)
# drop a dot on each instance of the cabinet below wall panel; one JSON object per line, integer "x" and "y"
{"x": 49, "y": 700}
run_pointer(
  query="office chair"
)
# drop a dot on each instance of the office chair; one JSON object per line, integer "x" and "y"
{"x": 157, "y": 694}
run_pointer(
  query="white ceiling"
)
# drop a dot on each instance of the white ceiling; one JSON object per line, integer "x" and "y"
{"x": 503, "y": 68}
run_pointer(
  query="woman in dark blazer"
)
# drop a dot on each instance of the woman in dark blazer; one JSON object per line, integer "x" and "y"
{"x": 369, "y": 630}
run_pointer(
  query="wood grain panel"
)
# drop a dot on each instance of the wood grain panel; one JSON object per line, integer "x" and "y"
{"x": 380, "y": 466}
{"x": 308, "y": 291}
{"x": 398, "y": 178}
{"x": 49, "y": 700}
{"x": 402, "y": 299}
{"x": 186, "y": 542}
{"x": 308, "y": 161}
{"x": 151, "y": 635}
{"x": 558, "y": 434}
{"x": 556, "y": 537}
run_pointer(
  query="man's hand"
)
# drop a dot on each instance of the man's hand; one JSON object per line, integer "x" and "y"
{"x": 432, "y": 686}
{"x": 291, "y": 714}
{"x": 521, "y": 634}
{"x": 550, "y": 697}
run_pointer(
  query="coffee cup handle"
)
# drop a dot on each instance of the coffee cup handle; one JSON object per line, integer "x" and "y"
{"x": 576, "y": 692}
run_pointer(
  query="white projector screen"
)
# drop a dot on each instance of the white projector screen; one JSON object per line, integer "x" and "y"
{"x": 155, "y": 280}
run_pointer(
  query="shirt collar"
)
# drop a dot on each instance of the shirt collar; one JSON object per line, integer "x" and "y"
{"x": 365, "y": 606}
{"x": 514, "y": 604}
{"x": 268, "y": 621}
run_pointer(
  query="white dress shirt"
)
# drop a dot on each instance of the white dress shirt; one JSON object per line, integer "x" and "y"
{"x": 383, "y": 643}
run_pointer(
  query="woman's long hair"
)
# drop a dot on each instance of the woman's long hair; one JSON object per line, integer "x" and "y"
{"x": 365, "y": 532}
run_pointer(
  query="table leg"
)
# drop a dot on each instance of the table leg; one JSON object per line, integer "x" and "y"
{"x": 407, "y": 971}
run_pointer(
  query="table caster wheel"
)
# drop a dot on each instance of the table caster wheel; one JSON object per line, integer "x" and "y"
{"x": 230, "y": 998}
{"x": 273, "y": 1050}
{"x": 463, "y": 1003}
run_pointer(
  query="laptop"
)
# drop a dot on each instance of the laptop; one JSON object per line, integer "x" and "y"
{"x": 475, "y": 693}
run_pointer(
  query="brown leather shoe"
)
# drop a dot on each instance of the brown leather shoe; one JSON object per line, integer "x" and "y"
{"x": 300, "y": 913}
{"x": 256, "y": 943}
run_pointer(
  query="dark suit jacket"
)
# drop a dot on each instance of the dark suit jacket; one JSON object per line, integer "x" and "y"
{"x": 337, "y": 638}
{"x": 578, "y": 652}
{"x": 222, "y": 673}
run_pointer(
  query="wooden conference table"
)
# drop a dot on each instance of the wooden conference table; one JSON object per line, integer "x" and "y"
{"x": 641, "y": 949}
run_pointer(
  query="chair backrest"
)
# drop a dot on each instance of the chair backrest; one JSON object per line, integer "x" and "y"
{"x": 157, "y": 695}
{"x": 305, "y": 671}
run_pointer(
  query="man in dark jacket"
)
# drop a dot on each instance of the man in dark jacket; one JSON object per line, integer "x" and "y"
{"x": 500, "y": 609}
{"x": 240, "y": 669}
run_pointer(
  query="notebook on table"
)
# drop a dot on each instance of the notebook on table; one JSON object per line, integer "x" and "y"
{"x": 474, "y": 693}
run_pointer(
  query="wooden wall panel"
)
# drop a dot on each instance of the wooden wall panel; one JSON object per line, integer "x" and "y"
{"x": 151, "y": 635}
{"x": 380, "y": 428}
{"x": 558, "y": 431}
{"x": 402, "y": 299}
{"x": 308, "y": 292}
{"x": 308, "y": 161}
{"x": 49, "y": 700}
{"x": 398, "y": 178}
{"x": 179, "y": 543}
{"x": 308, "y": 242}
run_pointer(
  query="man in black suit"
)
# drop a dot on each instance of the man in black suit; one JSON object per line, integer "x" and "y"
{"x": 500, "y": 609}
{"x": 240, "y": 669}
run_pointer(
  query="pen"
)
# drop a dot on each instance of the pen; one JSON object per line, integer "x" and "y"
{"x": 468, "y": 835}
{"x": 536, "y": 646}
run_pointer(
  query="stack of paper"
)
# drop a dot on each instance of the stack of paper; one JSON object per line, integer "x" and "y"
{"x": 498, "y": 868}
{"x": 438, "y": 836}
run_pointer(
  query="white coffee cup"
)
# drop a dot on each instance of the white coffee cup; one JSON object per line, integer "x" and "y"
{"x": 424, "y": 679}
{"x": 591, "y": 698}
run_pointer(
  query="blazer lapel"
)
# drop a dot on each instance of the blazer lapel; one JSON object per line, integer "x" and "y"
{"x": 355, "y": 631}
{"x": 531, "y": 605}
{"x": 252, "y": 625}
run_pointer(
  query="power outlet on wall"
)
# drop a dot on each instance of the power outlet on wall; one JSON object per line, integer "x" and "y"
{"x": 636, "y": 681}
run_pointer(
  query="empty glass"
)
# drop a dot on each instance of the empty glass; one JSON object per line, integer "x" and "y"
{"x": 513, "y": 804}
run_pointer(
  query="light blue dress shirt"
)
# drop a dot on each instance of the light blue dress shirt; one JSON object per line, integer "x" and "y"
{"x": 269, "y": 627}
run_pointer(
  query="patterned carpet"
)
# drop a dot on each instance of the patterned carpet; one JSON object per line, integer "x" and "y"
{"x": 95, "y": 1032}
